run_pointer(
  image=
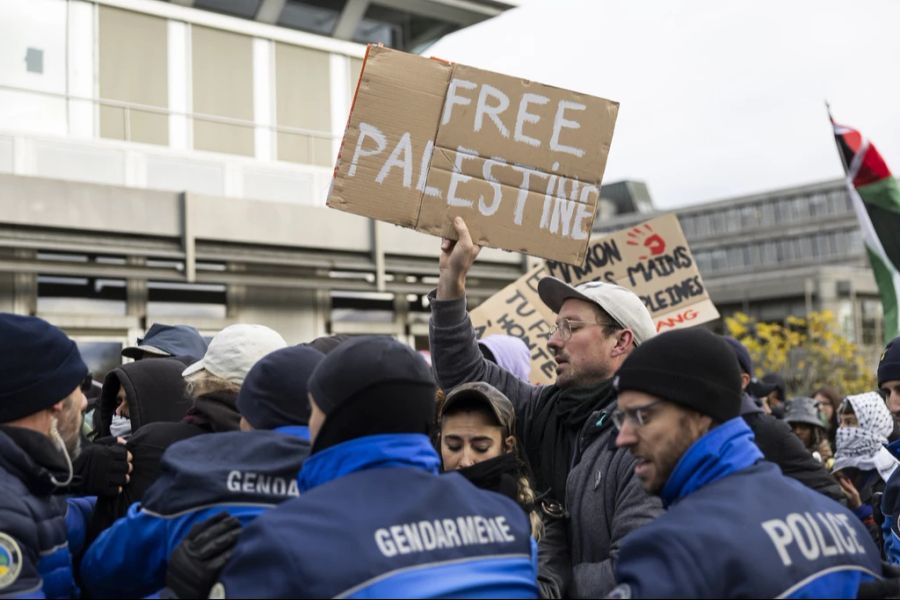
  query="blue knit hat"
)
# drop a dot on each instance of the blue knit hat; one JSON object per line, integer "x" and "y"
{"x": 39, "y": 367}
{"x": 889, "y": 365}
{"x": 274, "y": 392}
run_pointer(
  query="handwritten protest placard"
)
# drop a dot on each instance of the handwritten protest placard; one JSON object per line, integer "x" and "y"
{"x": 521, "y": 162}
{"x": 652, "y": 259}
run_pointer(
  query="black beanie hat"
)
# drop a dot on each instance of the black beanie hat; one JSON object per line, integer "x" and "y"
{"x": 372, "y": 385}
{"x": 889, "y": 365}
{"x": 691, "y": 367}
{"x": 40, "y": 366}
{"x": 274, "y": 392}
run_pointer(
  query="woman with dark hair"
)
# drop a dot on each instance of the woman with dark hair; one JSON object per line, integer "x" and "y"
{"x": 829, "y": 401}
{"x": 476, "y": 438}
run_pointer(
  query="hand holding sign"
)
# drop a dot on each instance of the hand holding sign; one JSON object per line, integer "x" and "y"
{"x": 457, "y": 257}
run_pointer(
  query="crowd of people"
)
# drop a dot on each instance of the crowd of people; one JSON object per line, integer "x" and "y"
{"x": 656, "y": 465}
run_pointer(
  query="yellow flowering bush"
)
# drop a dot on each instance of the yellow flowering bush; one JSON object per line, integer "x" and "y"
{"x": 808, "y": 352}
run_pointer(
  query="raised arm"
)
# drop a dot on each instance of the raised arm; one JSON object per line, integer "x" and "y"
{"x": 454, "y": 348}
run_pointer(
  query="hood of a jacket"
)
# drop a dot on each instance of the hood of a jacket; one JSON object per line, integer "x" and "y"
{"x": 32, "y": 458}
{"x": 412, "y": 450}
{"x": 216, "y": 412}
{"x": 155, "y": 392}
{"x": 723, "y": 451}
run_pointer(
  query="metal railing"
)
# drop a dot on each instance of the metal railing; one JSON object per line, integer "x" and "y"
{"x": 127, "y": 107}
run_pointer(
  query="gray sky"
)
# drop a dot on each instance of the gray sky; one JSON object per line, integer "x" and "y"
{"x": 718, "y": 99}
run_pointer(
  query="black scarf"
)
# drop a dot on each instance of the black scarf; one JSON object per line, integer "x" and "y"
{"x": 552, "y": 440}
{"x": 499, "y": 474}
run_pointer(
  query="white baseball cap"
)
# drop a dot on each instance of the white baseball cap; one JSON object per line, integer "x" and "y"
{"x": 620, "y": 303}
{"x": 235, "y": 349}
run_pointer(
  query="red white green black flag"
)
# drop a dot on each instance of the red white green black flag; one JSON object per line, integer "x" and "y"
{"x": 876, "y": 199}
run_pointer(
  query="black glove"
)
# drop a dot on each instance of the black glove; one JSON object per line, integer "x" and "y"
{"x": 100, "y": 469}
{"x": 195, "y": 564}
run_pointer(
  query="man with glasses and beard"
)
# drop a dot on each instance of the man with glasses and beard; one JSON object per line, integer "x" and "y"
{"x": 736, "y": 527}
{"x": 41, "y": 404}
{"x": 591, "y": 498}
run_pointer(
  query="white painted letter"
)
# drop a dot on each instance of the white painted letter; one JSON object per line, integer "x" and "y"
{"x": 493, "y": 112}
{"x": 523, "y": 190}
{"x": 485, "y": 209}
{"x": 373, "y": 133}
{"x": 457, "y": 177}
{"x": 234, "y": 481}
{"x": 806, "y": 540}
{"x": 559, "y": 122}
{"x": 384, "y": 543}
{"x": 452, "y": 98}
{"x": 404, "y": 147}
{"x": 430, "y": 190}
{"x": 524, "y": 116}
{"x": 781, "y": 536}
{"x": 584, "y": 214}
{"x": 548, "y": 202}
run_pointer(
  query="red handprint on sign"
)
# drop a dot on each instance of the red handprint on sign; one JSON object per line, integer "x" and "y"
{"x": 648, "y": 239}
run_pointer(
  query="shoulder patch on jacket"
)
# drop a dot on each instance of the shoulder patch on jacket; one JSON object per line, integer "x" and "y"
{"x": 10, "y": 561}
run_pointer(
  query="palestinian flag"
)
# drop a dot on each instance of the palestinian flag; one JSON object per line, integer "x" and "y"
{"x": 876, "y": 200}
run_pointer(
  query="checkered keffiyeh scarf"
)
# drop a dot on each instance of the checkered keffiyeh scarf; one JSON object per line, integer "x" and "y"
{"x": 858, "y": 446}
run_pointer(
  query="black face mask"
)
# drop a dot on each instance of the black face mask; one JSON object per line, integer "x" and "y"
{"x": 500, "y": 474}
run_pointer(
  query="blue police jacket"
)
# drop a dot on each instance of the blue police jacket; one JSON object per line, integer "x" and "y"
{"x": 890, "y": 508}
{"x": 40, "y": 530}
{"x": 241, "y": 473}
{"x": 375, "y": 520}
{"x": 737, "y": 527}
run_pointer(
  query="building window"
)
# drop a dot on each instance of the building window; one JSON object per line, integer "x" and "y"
{"x": 134, "y": 88}
{"x": 222, "y": 72}
{"x": 303, "y": 105}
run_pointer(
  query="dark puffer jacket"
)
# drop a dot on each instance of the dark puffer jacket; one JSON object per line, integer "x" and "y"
{"x": 36, "y": 525}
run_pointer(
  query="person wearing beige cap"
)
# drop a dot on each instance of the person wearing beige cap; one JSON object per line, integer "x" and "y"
{"x": 213, "y": 384}
{"x": 589, "y": 486}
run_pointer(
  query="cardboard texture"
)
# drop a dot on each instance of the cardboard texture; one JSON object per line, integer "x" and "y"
{"x": 652, "y": 259}
{"x": 521, "y": 162}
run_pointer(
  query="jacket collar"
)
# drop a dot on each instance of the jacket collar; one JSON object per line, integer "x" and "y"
{"x": 725, "y": 450}
{"x": 32, "y": 458}
{"x": 370, "y": 452}
{"x": 297, "y": 431}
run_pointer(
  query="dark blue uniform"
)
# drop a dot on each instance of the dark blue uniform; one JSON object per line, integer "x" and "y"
{"x": 376, "y": 520}
{"x": 737, "y": 528}
{"x": 890, "y": 508}
{"x": 39, "y": 531}
{"x": 242, "y": 473}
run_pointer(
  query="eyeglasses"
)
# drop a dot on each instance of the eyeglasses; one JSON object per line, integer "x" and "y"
{"x": 638, "y": 416}
{"x": 566, "y": 327}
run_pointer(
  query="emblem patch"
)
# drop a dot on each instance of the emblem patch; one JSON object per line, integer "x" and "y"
{"x": 10, "y": 561}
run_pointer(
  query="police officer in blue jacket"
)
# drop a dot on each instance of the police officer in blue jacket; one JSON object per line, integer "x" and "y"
{"x": 889, "y": 387}
{"x": 243, "y": 473}
{"x": 735, "y": 526}
{"x": 41, "y": 406}
{"x": 374, "y": 518}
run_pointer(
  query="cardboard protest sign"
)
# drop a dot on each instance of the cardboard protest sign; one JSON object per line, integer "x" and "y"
{"x": 428, "y": 140}
{"x": 652, "y": 259}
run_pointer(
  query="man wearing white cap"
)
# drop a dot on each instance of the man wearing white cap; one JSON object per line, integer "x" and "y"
{"x": 565, "y": 427}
